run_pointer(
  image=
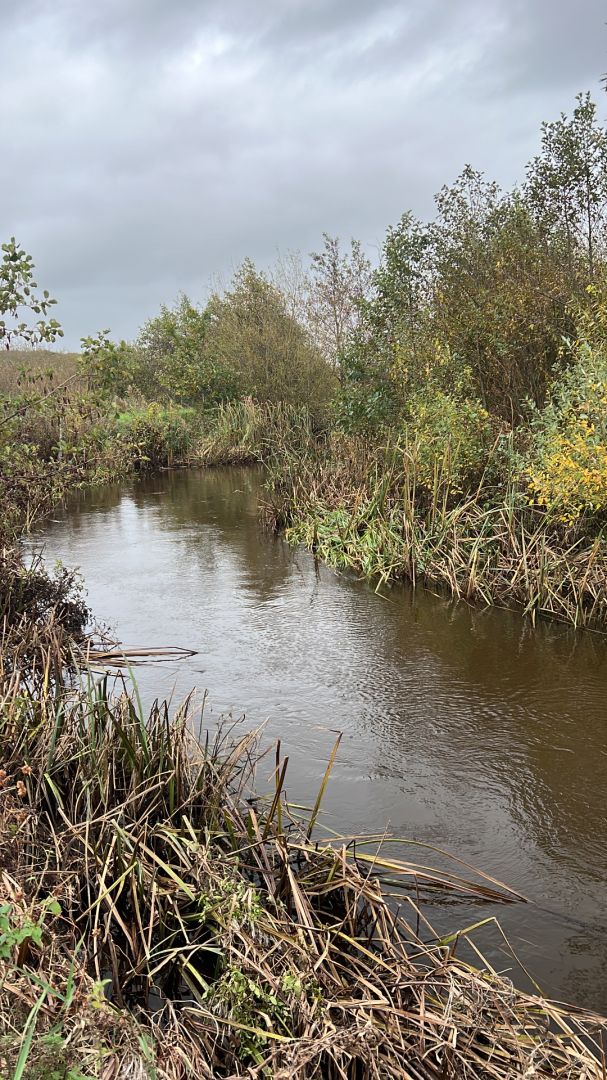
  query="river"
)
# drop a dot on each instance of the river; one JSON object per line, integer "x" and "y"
{"x": 462, "y": 728}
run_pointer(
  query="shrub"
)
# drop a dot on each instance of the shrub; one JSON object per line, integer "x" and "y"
{"x": 252, "y": 332}
{"x": 156, "y": 433}
{"x": 567, "y": 467}
{"x": 452, "y": 436}
{"x": 175, "y": 361}
{"x": 111, "y": 368}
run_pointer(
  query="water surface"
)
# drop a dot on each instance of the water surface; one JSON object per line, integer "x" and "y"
{"x": 462, "y": 728}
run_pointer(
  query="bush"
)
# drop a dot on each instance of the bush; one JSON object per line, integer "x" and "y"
{"x": 452, "y": 437}
{"x": 32, "y": 593}
{"x": 567, "y": 466}
{"x": 253, "y": 333}
{"x": 156, "y": 434}
{"x": 174, "y": 359}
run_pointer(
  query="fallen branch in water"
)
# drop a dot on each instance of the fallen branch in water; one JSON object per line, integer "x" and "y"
{"x": 125, "y": 657}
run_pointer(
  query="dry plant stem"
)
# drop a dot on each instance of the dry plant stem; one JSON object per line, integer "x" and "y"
{"x": 365, "y": 509}
{"x": 235, "y": 939}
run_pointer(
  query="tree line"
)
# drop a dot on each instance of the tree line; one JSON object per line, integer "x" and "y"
{"x": 482, "y": 302}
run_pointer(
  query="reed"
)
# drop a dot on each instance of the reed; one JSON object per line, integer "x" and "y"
{"x": 245, "y": 432}
{"x": 159, "y": 917}
{"x": 367, "y": 509}
{"x": 39, "y": 370}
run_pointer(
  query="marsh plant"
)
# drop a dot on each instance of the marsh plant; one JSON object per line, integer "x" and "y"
{"x": 165, "y": 912}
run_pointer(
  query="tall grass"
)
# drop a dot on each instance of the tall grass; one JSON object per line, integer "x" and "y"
{"x": 157, "y": 913}
{"x": 23, "y": 370}
{"x": 240, "y": 432}
{"x": 368, "y": 509}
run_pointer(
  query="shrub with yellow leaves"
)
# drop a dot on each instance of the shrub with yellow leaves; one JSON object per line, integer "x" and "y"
{"x": 567, "y": 468}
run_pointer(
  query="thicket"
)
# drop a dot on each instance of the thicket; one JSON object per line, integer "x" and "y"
{"x": 470, "y": 444}
{"x": 484, "y": 300}
{"x": 243, "y": 343}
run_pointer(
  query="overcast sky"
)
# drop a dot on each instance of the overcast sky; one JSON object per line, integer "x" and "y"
{"x": 148, "y": 145}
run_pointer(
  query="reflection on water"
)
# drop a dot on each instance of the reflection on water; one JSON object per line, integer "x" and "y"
{"x": 462, "y": 728}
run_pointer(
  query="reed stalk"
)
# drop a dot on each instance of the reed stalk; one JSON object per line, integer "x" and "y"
{"x": 366, "y": 509}
{"x": 162, "y": 917}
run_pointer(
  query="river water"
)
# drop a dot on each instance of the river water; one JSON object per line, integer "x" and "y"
{"x": 462, "y": 728}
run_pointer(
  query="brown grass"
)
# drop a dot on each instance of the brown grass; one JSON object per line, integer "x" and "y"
{"x": 25, "y": 370}
{"x": 166, "y": 917}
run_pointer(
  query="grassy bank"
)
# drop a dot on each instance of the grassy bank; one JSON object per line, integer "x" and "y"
{"x": 56, "y": 433}
{"x": 159, "y": 918}
{"x": 379, "y": 510}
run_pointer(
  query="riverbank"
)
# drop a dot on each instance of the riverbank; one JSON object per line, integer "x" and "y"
{"x": 60, "y": 436}
{"x": 455, "y": 505}
{"x": 160, "y": 919}
{"x": 375, "y": 509}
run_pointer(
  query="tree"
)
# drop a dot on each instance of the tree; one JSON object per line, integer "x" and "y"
{"x": 397, "y": 315}
{"x": 339, "y": 283}
{"x": 18, "y": 300}
{"x": 385, "y": 352}
{"x": 500, "y": 293}
{"x": 567, "y": 182}
{"x": 252, "y": 332}
{"x": 109, "y": 366}
{"x": 475, "y": 304}
{"x": 175, "y": 357}
{"x": 291, "y": 277}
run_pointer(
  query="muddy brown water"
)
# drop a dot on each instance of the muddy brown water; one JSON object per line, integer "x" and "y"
{"x": 462, "y": 728}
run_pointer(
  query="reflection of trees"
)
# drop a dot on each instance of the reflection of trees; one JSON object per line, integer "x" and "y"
{"x": 545, "y": 723}
{"x": 80, "y": 504}
{"x": 224, "y": 502}
{"x": 482, "y": 697}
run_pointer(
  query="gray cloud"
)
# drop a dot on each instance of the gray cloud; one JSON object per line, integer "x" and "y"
{"x": 148, "y": 145}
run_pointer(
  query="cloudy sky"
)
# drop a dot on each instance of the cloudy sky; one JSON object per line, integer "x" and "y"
{"x": 148, "y": 145}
